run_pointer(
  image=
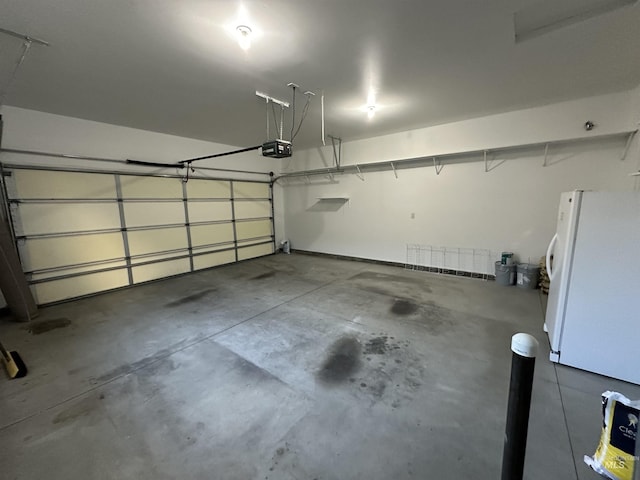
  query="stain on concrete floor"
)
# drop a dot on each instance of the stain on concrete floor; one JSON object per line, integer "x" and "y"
{"x": 377, "y": 278}
{"x": 43, "y": 326}
{"x": 342, "y": 361}
{"x": 263, "y": 276}
{"x": 78, "y": 409}
{"x": 160, "y": 359}
{"x": 376, "y": 346}
{"x": 402, "y": 306}
{"x": 190, "y": 298}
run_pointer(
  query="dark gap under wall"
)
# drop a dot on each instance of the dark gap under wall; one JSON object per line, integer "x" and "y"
{"x": 443, "y": 271}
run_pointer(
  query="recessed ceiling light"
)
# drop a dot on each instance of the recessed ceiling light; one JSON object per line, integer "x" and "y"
{"x": 371, "y": 111}
{"x": 244, "y": 36}
{"x": 371, "y": 106}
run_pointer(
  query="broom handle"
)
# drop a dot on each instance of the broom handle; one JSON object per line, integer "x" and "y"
{"x": 5, "y": 354}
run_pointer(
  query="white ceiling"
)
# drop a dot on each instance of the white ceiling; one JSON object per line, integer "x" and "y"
{"x": 169, "y": 65}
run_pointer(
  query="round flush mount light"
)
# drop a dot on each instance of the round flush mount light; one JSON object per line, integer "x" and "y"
{"x": 244, "y": 36}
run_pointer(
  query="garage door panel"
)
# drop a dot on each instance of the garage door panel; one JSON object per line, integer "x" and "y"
{"x": 150, "y": 187}
{"x": 253, "y": 209}
{"x": 39, "y": 184}
{"x": 154, "y": 271}
{"x": 245, "y": 253}
{"x": 72, "y": 271}
{"x": 148, "y": 214}
{"x": 40, "y": 218}
{"x": 250, "y": 190}
{"x": 209, "y": 211}
{"x": 258, "y": 228}
{"x": 57, "y": 290}
{"x": 208, "y": 189}
{"x": 69, "y": 228}
{"x": 210, "y": 234}
{"x": 41, "y": 253}
{"x": 213, "y": 259}
{"x": 214, "y": 248}
{"x": 147, "y": 259}
{"x": 157, "y": 240}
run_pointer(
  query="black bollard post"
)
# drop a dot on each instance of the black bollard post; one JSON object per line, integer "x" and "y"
{"x": 523, "y": 362}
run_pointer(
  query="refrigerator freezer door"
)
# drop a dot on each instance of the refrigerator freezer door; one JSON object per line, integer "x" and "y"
{"x": 602, "y": 317}
{"x": 562, "y": 255}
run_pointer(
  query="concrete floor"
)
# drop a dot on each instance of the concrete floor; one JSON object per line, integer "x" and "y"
{"x": 290, "y": 367}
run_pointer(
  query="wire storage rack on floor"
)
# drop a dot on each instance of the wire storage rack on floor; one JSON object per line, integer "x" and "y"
{"x": 467, "y": 262}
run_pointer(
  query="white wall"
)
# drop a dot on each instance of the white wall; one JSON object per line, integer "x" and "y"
{"x": 513, "y": 207}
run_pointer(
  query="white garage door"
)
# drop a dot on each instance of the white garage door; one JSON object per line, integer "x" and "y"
{"x": 80, "y": 233}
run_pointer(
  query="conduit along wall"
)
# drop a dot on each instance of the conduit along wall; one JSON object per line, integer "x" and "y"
{"x": 83, "y": 232}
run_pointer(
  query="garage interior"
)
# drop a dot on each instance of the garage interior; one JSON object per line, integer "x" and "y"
{"x": 191, "y": 306}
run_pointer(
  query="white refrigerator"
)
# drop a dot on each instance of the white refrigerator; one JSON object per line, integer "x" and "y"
{"x": 593, "y": 310}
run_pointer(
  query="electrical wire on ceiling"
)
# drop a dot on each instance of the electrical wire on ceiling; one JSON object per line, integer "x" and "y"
{"x": 305, "y": 110}
{"x": 268, "y": 100}
{"x": 275, "y": 120}
{"x": 266, "y": 111}
{"x": 190, "y": 169}
{"x": 295, "y": 129}
{"x": 26, "y": 45}
{"x": 281, "y": 120}
{"x": 293, "y": 109}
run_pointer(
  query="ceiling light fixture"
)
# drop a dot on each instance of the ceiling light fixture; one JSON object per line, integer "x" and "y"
{"x": 244, "y": 37}
{"x": 371, "y": 111}
{"x": 371, "y": 105}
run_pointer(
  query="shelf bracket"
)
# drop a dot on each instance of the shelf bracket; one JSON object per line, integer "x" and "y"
{"x": 437, "y": 166}
{"x": 393, "y": 167}
{"x": 337, "y": 154}
{"x": 627, "y": 146}
{"x": 359, "y": 174}
{"x": 486, "y": 165}
{"x": 546, "y": 154}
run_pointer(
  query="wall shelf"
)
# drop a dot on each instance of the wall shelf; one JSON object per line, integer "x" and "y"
{"x": 438, "y": 161}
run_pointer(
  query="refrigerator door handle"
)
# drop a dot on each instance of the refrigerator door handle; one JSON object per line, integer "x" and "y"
{"x": 552, "y": 244}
